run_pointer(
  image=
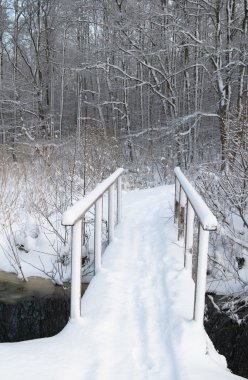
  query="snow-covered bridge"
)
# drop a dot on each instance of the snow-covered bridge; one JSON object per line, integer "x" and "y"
{"x": 137, "y": 316}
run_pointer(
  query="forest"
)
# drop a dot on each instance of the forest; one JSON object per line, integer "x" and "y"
{"x": 90, "y": 85}
{"x": 167, "y": 79}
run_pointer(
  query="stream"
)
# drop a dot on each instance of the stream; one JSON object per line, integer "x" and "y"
{"x": 228, "y": 334}
{"x": 33, "y": 309}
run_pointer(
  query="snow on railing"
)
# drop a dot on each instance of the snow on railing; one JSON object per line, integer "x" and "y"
{"x": 74, "y": 216}
{"x": 188, "y": 201}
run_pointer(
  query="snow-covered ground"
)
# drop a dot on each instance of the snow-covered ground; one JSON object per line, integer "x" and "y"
{"x": 136, "y": 313}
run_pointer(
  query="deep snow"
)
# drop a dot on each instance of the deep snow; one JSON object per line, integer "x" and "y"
{"x": 136, "y": 313}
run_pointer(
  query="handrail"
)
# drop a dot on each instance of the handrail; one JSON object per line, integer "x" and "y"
{"x": 188, "y": 200}
{"x": 74, "y": 216}
{"x": 75, "y": 212}
{"x": 207, "y": 219}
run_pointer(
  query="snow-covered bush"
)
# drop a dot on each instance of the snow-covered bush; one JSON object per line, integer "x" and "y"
{"x": 35, "y": 191}
{"x": 226, "y": 193}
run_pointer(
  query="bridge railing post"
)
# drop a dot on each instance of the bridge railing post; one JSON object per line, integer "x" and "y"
{"x": 98, "y": 235}
{"x": 74, "y": 217}
{"x": 189, "y": 237}
{"x": 76, "y": 269}
{"x": 111, "y": 213}
{"x": 177, "y": 198}
{"x": 196, "y": 207}
{"x": 119, "y": 199}
{"x": 200, "y": 287}
{"x": 181, "y": 213}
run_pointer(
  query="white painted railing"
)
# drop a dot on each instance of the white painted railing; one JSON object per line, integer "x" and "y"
{"x": 74, "y": 217}
{"x": 189, "y": 203}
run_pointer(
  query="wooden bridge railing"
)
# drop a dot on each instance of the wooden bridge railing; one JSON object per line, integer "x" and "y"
{"x": 74, "y": 216}
{"x": 188, "y": 205}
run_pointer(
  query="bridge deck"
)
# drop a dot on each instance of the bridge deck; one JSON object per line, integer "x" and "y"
{"x": 136, "y": 314}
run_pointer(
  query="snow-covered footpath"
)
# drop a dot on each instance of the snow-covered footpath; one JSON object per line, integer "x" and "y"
{"x": 136, "y": 314}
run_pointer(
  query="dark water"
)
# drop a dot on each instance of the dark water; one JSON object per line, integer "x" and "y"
{"x": 13, "y": 289}
{"x": 230, "y": 337}
{"x": 33, "y": 309}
